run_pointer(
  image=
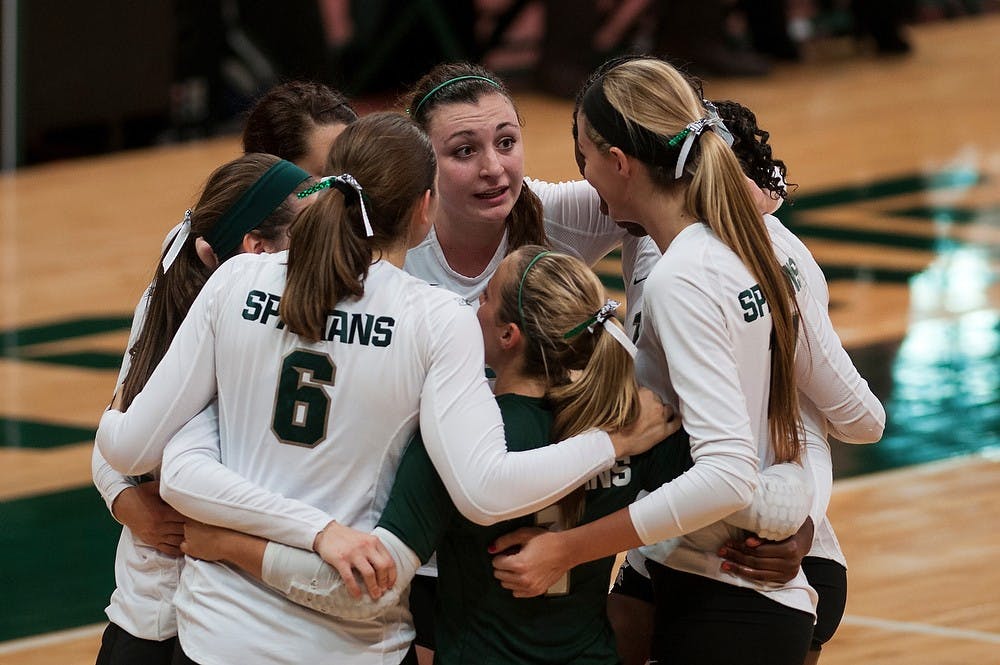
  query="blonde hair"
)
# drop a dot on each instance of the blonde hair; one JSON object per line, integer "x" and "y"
{"x": 329, "y": 253}
{"x": 590, "y": 378}
{"x": 651, "y": 95}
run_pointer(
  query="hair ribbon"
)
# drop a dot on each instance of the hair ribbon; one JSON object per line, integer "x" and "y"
{"x": 347, "y": 185}
{"x": 177, "y": 242}
{"x": 601, "y": 317}
{"x": 694, "y": 129}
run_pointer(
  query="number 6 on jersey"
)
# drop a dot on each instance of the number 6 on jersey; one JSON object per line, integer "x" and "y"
{"x": 301, "y": 404}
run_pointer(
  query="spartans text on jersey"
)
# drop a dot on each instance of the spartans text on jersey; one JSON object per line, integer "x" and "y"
{"x": 345, "y": 327}
{"x": 752, "y": 300}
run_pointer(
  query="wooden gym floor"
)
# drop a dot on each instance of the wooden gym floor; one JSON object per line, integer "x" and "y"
{"x": 898, "y": 163}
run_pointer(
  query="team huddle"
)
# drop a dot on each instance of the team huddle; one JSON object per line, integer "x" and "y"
{"x": 377, "y": 408}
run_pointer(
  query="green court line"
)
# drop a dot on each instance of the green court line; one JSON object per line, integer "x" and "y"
{"x": 612, "y": 280}
{"x": 84, "y": 359}
{"x": 908, "y": 184}
{"x": 57, "y": 554}
{"x": 852, "y": 234}
{"x": 949, "y": 214}
{"x": 18, "y": 433}
{"x": 62, "y": 330}
{"x": 16, "y": 343}
{"x": 840, "y": 272}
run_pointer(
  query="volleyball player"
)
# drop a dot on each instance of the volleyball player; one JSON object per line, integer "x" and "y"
{"x": 650, "y": 151}
{"x": 402, "y": 352}
{"x": 630, "y": 604}
{"x": 142, "y": 626}
{"x": 296, "y": 121}
{"x": 489, "y": 209}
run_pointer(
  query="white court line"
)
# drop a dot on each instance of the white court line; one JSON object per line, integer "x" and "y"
{"x": 50, "y": 639}
{"x": 920, "y": 629}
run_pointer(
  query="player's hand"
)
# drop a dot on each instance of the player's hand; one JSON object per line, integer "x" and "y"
{"x": 529, "y": 561}
{"x": 351, "y": 551}
{"x": 209, "y": 543}
{"x": 150, "y": 519}
{"x": 656, "y": 422}
{"x": 768, "y": 561}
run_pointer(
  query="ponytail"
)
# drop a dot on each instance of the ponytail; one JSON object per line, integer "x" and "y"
{"x": 169, "y": 300}
{"x": 328, "y": 261}
{"x": 387, "y": 165}
{"x": 718, "y": 194}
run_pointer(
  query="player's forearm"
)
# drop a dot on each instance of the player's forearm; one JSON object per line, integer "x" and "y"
{"x": 214, "y": 494}
{"x": 245, "y": 552}
{"x": 196, "y": 483}
{"x": 604, "y": 537}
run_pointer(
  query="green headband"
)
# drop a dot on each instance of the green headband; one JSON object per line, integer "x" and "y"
{"x": 253, "y": 207}
{"x": 449, "y": 82}
{"x": 520, "y": 287}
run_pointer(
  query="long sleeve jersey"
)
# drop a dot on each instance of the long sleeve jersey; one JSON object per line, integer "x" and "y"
{"x": 704, "y": 348}
{"x": 324, "y": 423}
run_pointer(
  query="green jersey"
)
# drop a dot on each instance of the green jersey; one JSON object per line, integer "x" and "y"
{"x": 477, "y": 620}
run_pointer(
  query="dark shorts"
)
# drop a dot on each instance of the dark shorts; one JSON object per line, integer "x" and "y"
{"x": 423, "y": 595}
{"x": 633, "y": 584}
{"x": 120, "y": 647}
{"x": 708, "y": 622}
{"x": 829, "y": 579}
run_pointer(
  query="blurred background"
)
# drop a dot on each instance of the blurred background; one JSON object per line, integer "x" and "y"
{"x": 114, "y": 111}
{"x": 83, "y": 78}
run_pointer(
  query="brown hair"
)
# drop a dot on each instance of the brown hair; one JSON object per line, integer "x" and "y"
{"x": 752, "y": 149}
{"x": 173, "y": 292}
{"x": 590, "y": 377}
{"x": 329, "y": 254}
{"x": 280, "y": 121}
{"x": 652, "y": 95}
{"x": 526, "y": 222}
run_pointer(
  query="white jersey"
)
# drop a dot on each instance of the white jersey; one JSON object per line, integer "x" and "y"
{"x": 574, "y": 225}
{"x": 639, "y": 257}
{"x": 324, "y": 424}
{"x": 704, "y": 348}
{"x": 145, "y": 578}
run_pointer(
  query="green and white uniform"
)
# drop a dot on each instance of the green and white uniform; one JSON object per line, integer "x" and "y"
{"x": 476, "y": 619}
